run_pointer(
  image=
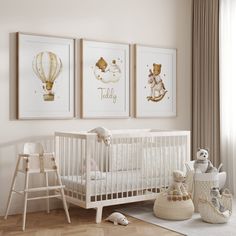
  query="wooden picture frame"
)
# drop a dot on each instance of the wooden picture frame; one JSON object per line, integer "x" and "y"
{"x": 45, "y": 77}
{"x": 155, "y": 81}
{"x": 105, "y": 80}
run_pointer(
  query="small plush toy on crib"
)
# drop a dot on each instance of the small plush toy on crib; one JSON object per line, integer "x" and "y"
{"x": 103, "y": 135}
{"x": 202, "y": 164}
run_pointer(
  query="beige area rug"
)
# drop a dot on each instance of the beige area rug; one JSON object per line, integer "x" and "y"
{"x": 192, "y": 227}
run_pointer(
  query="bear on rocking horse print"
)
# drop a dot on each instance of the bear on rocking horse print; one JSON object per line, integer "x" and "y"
{"x": 157, "y": 86}
{"x": 155, "y": 82}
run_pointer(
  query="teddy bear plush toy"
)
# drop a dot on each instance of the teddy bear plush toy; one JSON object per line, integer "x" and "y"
{"x": 177, "y": 190}
{"x": 202, "y": 164}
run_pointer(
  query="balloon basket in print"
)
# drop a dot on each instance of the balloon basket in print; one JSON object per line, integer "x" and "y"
{"x": 47, "y": 67}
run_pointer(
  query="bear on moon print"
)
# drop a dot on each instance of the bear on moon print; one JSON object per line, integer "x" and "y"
{"x": 107, "y": 72}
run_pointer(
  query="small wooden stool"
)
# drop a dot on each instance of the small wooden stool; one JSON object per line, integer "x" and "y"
{"x": 34, "y": 161}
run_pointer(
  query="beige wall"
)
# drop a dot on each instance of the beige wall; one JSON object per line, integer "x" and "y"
{"x": 163, "y": 23}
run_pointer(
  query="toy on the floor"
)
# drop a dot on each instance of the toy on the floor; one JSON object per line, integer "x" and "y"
{"x": 202, "y": 164}
{"x": 117, "y": 218}
{"x": 218, "y": 209}
{"x": 103, "y": 135}
{"x": 176, "y": 202}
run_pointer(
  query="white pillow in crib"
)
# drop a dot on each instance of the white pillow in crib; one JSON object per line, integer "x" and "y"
{"x": 96, "y": 175}
{"x": 124, "y": 157}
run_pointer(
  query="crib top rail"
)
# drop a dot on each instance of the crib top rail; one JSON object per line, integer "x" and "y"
{"x": 128, "y": 133}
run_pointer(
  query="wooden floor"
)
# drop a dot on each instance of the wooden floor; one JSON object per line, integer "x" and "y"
{"x": 83, "y": 224}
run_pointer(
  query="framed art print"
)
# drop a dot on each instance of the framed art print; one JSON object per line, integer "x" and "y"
{"x": 45, "y": 77}
{"x": 155, "y": 82}
{"x": 105, "y": 80}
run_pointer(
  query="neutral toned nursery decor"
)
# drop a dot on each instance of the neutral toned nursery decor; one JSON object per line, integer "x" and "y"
{"x": 35, "y": 161}
{"x": 45, "y": 77}
{"x": 216, "y": 209}
{"x": 155, "y": 82}
{"x": 134, "y": 167}
{"x": 205, "y": 78}
{"x": 175, "y": 203}
{"x": 105, "y": 80}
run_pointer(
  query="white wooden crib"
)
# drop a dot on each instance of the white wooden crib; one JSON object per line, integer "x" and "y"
{"x": 136, "y": 165}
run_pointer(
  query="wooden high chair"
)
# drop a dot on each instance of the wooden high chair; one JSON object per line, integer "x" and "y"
{"x": 35, "y": 161}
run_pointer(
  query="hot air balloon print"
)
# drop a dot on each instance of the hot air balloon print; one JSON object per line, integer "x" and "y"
{"x": 47, "y": 66}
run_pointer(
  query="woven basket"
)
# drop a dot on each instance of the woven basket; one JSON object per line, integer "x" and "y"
{"x": 212, "y": 215}
{"x": 172, "y": 210}
{"x": 203, "y": 182}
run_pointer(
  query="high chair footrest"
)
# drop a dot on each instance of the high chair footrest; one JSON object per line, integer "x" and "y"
{"x": 43, "y": 197}
{"x": 44, "y": 188}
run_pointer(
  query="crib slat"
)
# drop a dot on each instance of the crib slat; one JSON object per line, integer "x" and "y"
{"x": 64, "y": 157}
{"x": 162, "y": 162}
{"x": 132, "y": 154}
{"x": 111, "y": 169}
{"x": 146, "y": 165}
{"x": 77, "y": 165}
{"x": 88, "y": 169}
{"x": 117, "y": 141}
{"x": 72, "y": 165}
{"x": 127, "y": 161}
{"x": 81, "y": 167}
{"x": 157, "y": 167}
{"x": 106, "y": 163}
{"x": 99, "y": 166}
{"x": 137, "y": 163}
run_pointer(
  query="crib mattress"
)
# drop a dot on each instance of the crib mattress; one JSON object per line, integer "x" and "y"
{"x": 115, "y": 182}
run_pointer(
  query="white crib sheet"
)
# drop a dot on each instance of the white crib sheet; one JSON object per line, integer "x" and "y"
{"x": 115, "y": 182}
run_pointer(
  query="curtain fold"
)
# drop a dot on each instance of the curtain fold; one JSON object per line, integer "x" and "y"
{"x": 228, "y": 89}
{"x": 205, "y": 113}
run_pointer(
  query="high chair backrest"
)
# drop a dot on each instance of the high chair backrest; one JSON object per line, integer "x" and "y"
{"x": 38, "y": 160}
{"x": 31, "y": 148}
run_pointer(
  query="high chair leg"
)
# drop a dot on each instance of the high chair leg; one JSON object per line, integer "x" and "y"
{"x": 12, "y": 188}
{"x": 25, "y": 199}
{"x": 65, "y": 205}
{"x": 63, "y": 198}
{"x": 47, "y": 199}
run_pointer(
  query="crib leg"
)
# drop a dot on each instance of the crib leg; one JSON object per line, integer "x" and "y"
{"x": 99, "y": 214}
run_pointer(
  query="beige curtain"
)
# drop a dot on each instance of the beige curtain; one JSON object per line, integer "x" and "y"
{"x": 205, "y": 115}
